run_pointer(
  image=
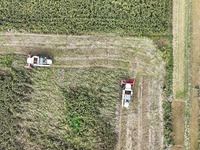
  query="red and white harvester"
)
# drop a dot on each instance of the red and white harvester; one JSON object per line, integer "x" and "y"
{"x": 35, "y": 61}
{"x": 127, "y": 91}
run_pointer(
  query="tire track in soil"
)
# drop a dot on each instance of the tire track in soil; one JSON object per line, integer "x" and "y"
{"x": 144, "y": 117}
{"x": 143, "y": 128}
{"x": 132, "y": 123}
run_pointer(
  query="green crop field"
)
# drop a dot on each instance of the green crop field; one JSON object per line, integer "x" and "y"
{"x": 68, "y": 108}
{"x": 58, "y": 108}
{"x": 133, "y": 17}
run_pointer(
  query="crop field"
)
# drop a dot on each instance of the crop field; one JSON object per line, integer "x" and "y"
{"x": 58, "y": 108}
{"x": 131, "y": 17}
{"x": 76, "y": 104}
{"x": 86, "y": 90}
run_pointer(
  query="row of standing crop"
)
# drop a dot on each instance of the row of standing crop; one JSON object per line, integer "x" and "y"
{"x": 85, "y": 16}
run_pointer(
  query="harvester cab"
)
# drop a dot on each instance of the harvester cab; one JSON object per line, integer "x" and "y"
{"x": 34, "y": 61}
{"x": 127, "y": 91}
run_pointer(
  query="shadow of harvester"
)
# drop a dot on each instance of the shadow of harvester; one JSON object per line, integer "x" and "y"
{"x": 45, "y": 52}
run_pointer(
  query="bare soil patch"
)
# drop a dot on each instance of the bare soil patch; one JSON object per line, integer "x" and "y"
{"x": 178, "y": 113}
{"x": 177, "y": 148}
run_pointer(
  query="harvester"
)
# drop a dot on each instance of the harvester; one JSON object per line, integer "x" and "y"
{"x": 37, "y": 61}
{"x": 127, "y": 91}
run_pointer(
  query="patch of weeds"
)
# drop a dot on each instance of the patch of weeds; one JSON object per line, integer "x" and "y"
{"x": 167, "y": 107}
{"x": 6, "y": 60}
{"x": 76, "y": 121}
{"x": 164, "y": 44}
{"x": 180, "y": 95}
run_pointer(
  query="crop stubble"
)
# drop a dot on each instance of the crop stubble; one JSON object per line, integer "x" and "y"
{"x": 142, "y": 126}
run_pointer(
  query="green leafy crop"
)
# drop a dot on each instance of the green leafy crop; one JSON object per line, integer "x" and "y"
{"x": 134, "y": 17}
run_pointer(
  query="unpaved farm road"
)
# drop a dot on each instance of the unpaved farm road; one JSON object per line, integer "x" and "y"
{"x": 141, "y": 126}
{"x": 186, "y": 17}
{"x": 194, "y": 123}
{"x": 178, "y": 103}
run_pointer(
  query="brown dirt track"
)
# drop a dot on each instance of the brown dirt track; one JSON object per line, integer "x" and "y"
{"x": 178, "y": 46}
{"x": 179, "y": 112}
{"x": 186, "y": 31}
{"x": 141, "y": 126}
{"x": 178, "y": 103}
{"x": 194, "y": 123}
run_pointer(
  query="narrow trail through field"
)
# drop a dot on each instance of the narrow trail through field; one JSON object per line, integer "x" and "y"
{"x": 178, "y": 103}
{"x": 140, "y": 126}
{"x": 186, "y": 74}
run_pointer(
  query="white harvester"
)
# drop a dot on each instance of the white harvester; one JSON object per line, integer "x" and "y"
{"x": 127, "y": 91}
{"x": 35, "y": 61}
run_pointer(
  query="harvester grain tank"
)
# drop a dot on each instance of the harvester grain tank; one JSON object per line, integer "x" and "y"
{"x": 127, "y": 91}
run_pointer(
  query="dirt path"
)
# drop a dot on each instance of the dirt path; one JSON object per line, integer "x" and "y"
{"x": 178, "y": 46}
{"x": 195, "y": 74}
{"x": 140, "y": 126}
{"x": 184, "y": 93}
{"x": 179, "y": 75}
